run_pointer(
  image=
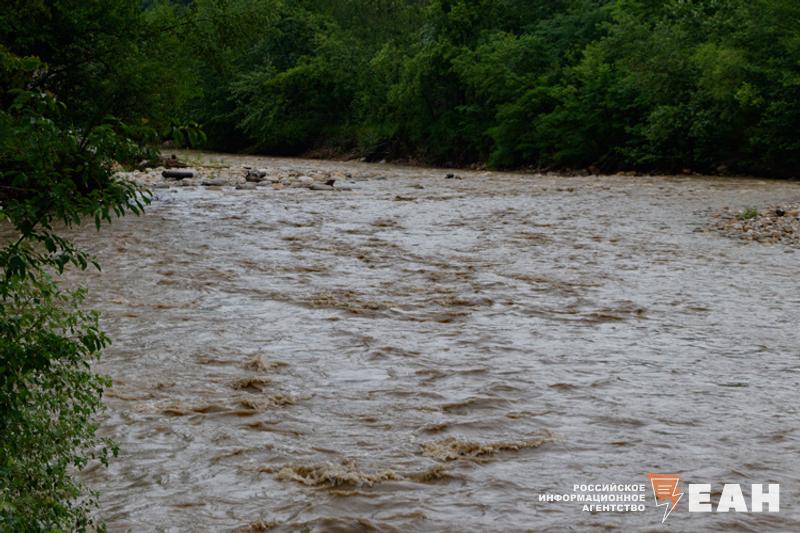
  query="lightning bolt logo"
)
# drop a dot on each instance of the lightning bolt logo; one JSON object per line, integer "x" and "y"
{"x": 665, "y": 491}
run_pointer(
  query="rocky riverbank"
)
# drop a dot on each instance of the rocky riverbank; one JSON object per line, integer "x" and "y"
{"x": 779, "y": 224}
{"x": 171, "y": 172}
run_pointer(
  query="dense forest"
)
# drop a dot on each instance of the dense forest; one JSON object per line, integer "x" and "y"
{"x": 608, "y": 84}
{"x": 612, "y": 84}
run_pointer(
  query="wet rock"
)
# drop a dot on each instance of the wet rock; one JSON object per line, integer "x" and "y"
{"x": 256, "y": 176}
{"x": 177, "y": 174}
{"x": 321, "y": 187}
{"x": 246, "y": 187}
{"x": 214, "y": 182}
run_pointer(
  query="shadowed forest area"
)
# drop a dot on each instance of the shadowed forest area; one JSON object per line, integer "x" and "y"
{"x": 652, "y": 85}
{"x": 609, "y": 85}
{"x": 658, "y": 86}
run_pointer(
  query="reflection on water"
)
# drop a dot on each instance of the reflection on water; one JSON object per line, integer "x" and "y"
{"x": 427, "y": 354}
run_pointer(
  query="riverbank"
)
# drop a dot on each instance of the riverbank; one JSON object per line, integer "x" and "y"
{"x": 766, "y": 224}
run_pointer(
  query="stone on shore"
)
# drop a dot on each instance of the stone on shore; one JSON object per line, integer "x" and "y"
{"x": 177, "y": 174}
{"x": 774, "y": 225}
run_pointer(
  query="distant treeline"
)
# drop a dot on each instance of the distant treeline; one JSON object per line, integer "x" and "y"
{"x": 654, "y": 85}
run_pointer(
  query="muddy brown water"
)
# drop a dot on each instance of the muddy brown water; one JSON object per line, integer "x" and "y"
{"x": 399, "y": 358}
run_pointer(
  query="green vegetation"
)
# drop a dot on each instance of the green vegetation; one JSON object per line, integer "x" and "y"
{"x": 749, "y": 213}
{"x": 614, "y": 84}
{"x": 69, "y": 110}
{"x": 85, "y": 85}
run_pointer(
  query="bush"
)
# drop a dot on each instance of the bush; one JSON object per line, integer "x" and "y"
{"x": 49, "y": 398}
{"x": 56, "y": 169}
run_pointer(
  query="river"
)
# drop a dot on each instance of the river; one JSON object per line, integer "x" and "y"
{"x": 431, "y": 354}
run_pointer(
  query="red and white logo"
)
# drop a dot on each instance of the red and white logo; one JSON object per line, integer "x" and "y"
{"x": 667, "y": 494}
{"x": 665, "y": 491}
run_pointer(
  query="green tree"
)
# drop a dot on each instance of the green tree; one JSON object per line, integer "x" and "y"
{"x": 78, "y": 95}
{"x": 655, "y": 85}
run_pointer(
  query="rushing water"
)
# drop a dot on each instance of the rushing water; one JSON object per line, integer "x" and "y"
{"x": 428, "y": 354}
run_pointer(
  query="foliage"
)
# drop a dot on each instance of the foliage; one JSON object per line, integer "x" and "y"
{"x": 49, "y": 396}
{"x": 71, "y": 109}
{"x": 749, "y": 213}
{"x": 614, "y": 84}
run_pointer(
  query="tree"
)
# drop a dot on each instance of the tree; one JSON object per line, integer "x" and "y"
{"x": 76, "y": 100}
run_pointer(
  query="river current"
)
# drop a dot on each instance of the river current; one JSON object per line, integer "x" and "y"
{"x": 431, "y": 354}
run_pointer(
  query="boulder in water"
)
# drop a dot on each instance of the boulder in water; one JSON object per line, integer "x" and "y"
{"x": 256, "y": 176}
{"x": 177, "y": 174}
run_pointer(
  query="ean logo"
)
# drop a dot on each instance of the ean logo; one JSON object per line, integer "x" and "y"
{"x": 665, "y": 492}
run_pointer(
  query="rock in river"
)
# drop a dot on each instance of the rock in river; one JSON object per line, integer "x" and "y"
{"x": 256, "y": 176}
{"x": 178, "y": 174}
{"x": 218, "y": 182}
